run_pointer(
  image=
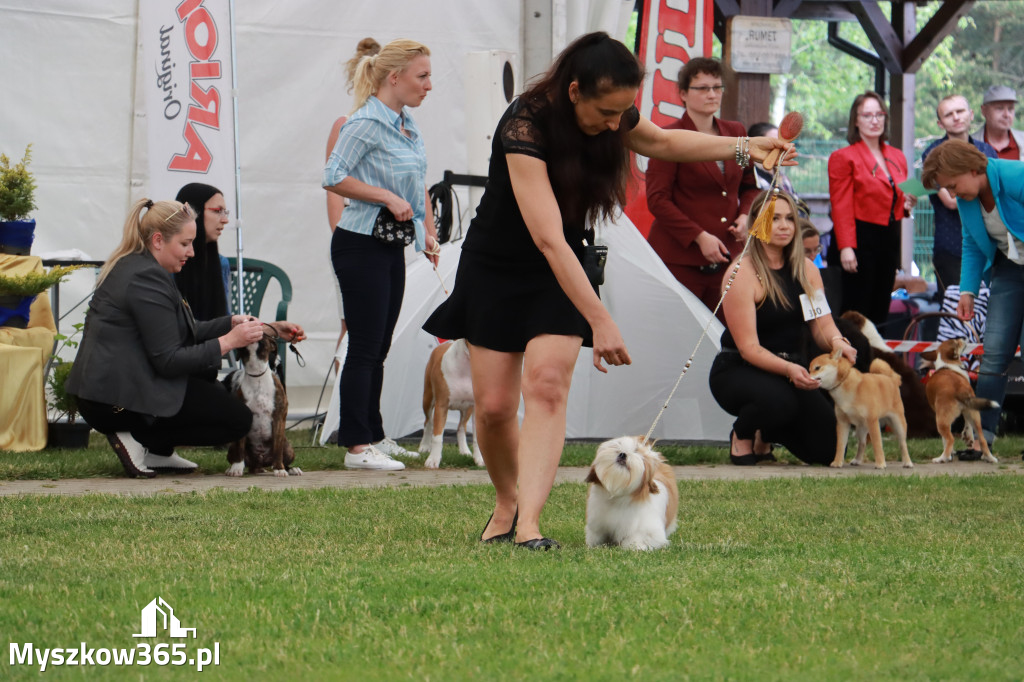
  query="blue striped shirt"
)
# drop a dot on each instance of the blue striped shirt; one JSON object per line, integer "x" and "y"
{"x": 372, "y": 149}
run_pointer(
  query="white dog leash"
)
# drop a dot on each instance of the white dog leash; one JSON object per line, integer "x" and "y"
{"x": 774, "y": 189}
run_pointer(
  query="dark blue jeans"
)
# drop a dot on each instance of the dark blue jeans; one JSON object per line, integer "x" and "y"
{"x": 1004, "y": 330}
{"x": 371, "y": 275}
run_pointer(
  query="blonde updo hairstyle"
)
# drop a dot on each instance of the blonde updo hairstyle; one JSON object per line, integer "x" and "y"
{"x": 367, "y": 47}
{"x": 370, "y": 71}
{"x": 166, "y": 217}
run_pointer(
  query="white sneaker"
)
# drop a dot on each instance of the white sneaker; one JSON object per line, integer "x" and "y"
{"x": 393, "y": 449}
{"x": 132, "y": 454}
{"x": 371, "y": 458}
{"x": 174, "y": 461}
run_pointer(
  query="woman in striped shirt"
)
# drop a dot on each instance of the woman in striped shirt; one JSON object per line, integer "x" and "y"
{"x": 378, "y": 161}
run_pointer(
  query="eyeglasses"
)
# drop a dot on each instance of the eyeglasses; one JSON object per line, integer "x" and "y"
{"x": 877, "y": 116}
{"x": 705, "y": 89}
{"x": 812, "y": 253}
{"x": 220, "y": 211}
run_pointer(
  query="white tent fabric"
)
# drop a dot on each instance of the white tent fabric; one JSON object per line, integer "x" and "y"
{"x": 660, "y": 321}
{"x": 75, "y": 66}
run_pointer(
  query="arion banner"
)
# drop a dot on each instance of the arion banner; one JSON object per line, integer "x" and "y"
{"x": 186, "y": 77}
{"x": 669, "y": 37}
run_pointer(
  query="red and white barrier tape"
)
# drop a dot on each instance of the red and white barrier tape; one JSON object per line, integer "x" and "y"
{"x": 922, "y": 346}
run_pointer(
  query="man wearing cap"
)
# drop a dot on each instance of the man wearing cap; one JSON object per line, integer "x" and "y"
{"x": 954, "y": 117}
{"x": 998, "y": 108}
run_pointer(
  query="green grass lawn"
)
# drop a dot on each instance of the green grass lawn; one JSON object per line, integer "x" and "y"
{"x": 862, "y": 578}
{"x": 99, "y": 459}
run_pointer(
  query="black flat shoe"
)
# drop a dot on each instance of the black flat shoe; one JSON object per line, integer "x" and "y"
{"x": 740, "y": 460}
{"x": 504, "y": 537}
{"x": 968, "y": 455}
{"x": 539, "y": 543}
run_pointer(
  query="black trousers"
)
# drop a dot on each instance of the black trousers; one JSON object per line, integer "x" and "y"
{"x": 371, "y": 275}
{"x": 947, "y": 269}
{"x": 804, "y": 422}
{"x": 208, "y": 416}
{"x": 869, "y": 290}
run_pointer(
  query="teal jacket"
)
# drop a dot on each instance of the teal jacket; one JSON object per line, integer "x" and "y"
{"x": 1006, "y": 179}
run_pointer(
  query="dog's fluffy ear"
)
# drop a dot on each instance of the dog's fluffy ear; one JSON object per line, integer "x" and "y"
{"x": 592, "y": 477}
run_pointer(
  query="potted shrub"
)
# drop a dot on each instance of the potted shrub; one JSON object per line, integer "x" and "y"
{"x": 18, "y": 291}
{"x": 64, "y": 430}
{"x": 17, "y": 201}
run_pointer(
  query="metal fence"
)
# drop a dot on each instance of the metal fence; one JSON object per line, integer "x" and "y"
{"x": 810, "y": 178}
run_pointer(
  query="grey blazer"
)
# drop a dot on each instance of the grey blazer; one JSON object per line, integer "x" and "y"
{"x": 1018, "y": 136}
{"x": 140, "y": 342}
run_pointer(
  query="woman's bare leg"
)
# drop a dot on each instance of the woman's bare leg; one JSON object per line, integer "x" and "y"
{"x": 547, "y": 374}
{"x": 497, "y": 381}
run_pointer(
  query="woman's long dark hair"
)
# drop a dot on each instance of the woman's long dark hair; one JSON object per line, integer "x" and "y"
{"x": 588, "y": 172}
{"x": 200, "y": 280}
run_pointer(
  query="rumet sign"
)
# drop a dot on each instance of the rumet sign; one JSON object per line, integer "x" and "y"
{"x": 760, "y": 44}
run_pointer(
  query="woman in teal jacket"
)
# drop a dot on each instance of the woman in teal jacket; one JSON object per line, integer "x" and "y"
{"x": 990, "y": 197}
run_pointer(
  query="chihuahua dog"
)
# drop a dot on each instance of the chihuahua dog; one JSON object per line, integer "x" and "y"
{"x": 950, "y": 395}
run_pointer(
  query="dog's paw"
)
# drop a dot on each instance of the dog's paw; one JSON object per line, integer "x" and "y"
{"x": 908, "y": 465}
{"x": 295, "y": 471}
{"x": 942, "y": 458}
{"x": 880, "y": 466}
{"x": 836, "y": 465}
{"x": 432, "y": 462}
{"x": 235, "y": 469}
{"x": 281, "y": 473}
{"x": 478, "y": 460}
{"x": 990, "y": 458}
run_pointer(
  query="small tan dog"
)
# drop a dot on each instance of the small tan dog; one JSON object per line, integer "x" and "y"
{"x": 950, "y": 395}
{"x": 447, "y": 385}
{"x": 633, "y": 499}
{"x": 862, "y": 400}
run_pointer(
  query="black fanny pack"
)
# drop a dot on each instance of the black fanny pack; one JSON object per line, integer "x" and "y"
{"x": 390, "y": 230}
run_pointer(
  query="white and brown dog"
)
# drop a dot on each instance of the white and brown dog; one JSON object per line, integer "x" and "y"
{"x": 258, "y": 386}
{"x": 862, "y": 400}
{"x": 447, "y": 385}
{"x": 633, "y": 499}
{"x": 950, "y": 395}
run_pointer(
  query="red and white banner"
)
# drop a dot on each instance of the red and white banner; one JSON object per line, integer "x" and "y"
{"x": 669, "y": 38}
{"x": 188, "y": 107}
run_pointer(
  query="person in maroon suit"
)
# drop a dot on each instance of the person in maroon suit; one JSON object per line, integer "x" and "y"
{"x": 700, "y": 209}
{"x": 867, "y": 207}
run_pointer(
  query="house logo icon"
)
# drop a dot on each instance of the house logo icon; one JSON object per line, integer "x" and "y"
{"x": 166, "y": 615}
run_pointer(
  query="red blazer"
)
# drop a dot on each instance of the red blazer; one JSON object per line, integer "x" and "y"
{"x": 858, "y": 191}
{"x": 689, "y": 198}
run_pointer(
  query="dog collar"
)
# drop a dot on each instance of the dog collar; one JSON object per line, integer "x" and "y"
{"x": 257, "y": 375}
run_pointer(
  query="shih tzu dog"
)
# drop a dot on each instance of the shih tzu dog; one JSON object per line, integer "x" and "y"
{"x": 632, "y": 499}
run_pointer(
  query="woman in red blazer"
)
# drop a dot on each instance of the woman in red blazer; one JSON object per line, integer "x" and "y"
{"x": 700, "y": 209}
{"x": 867, "y": 206}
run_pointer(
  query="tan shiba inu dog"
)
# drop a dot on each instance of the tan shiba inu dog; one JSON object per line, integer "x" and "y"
{"x": 862, "y": 400}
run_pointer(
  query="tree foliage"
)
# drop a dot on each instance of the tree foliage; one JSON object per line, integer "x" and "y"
{"x": 987, "y": 48}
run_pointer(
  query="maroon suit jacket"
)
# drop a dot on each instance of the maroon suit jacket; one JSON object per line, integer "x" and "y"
{"x": 689, "y": 198}
{"x": 859, "y": 191}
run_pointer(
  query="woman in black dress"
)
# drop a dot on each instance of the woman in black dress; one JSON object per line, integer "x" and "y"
{"x": 522, "y": 300}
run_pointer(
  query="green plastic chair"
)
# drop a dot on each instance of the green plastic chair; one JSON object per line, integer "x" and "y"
{"x": 256, "y": 275}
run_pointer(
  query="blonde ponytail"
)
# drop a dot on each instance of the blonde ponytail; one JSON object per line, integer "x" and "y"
{"x": 165, "y": 217}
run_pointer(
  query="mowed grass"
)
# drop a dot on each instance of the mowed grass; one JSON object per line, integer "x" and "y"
{"x": 861, "y": 578}
{"x": 98, "y": 460}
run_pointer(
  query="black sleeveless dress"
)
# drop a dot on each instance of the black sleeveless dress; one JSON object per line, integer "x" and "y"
{"x": 780, "y": 330}
{"x": 505, "y": 292}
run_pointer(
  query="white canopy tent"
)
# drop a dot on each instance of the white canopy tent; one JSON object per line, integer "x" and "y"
{"x": 71, "y": 72}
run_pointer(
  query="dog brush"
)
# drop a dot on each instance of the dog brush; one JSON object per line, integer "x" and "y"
{"x": 789, "y": 130}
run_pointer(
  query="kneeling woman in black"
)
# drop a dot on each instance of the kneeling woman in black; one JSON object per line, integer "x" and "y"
{"x": 134, "y": 375}
{"x": 761, "y": 376}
